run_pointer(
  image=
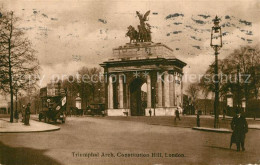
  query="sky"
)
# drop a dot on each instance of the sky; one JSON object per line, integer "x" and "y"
{"x": 70, "y": 34}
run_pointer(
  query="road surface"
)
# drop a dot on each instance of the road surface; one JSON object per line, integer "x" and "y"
{"x": 97, "y": 140}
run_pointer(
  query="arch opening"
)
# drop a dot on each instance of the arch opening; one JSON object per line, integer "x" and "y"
{"x": 138, "y": 97}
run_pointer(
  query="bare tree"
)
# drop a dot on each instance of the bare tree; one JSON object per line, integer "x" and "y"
{"x": 193, "y": 92}
{"x": 89, "y": 83}
{"x": 205, "y": 95}
{"x": 244, "y": 62}
{"x": 19, "y": 65}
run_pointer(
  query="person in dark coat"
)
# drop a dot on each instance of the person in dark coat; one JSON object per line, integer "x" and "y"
{"x": 240, "y": 128}
{"x": 27, "y": 114}
{"x": 198, "y": 118}
{"x": 177, "y": 114}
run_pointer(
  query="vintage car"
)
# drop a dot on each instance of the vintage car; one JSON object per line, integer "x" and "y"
{"x": 54, "y": 100}
{"x": 54, "y": 109}
{"x": 53, "y": 115}
{"x": 96, "y": 109}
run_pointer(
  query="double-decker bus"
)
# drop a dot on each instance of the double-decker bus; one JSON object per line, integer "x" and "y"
{"x": 53, "y": 99}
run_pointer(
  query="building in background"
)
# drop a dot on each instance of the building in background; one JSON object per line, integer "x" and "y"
{"x": 4, "y": 106}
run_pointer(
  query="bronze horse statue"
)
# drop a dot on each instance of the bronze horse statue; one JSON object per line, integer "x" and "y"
{"x": 132, "y": 34}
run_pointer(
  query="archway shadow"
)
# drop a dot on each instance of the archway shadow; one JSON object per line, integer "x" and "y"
{"x": 22, "y": 155}
{"x": 138, "y": 103}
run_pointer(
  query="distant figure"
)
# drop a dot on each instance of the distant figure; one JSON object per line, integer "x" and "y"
{"x": 150, "y": 113}
{"x": 177, "y": 114}
{"x": 240, "y": 128}
{"x": 27, "y": 114}
{"x": 198, "y": 118}
{"x": 88, "y": 110}
{"x": 224, "y": 113}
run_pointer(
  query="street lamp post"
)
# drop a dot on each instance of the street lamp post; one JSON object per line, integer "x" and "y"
{"x": 238, "y": 87}
{"x": 244, "y": 104}
{"x": 216, "y": 44}
{"x": 48, "y": 102}
{"x": 189, "y": 105}
{"x": 253, "y": 51}
{"x": 99, "y": 96}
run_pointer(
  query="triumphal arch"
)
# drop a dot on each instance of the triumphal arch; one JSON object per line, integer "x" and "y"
{"x": 143, "y": 77}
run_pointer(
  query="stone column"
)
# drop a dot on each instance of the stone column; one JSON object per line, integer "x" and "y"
{"x": 127, "y": 96}
{"x": 171, "y": 79}
{"x": 181, "y": 90}
{"x": 159, "y": 81}
{"x": 175, "y": 88}
{"x": 149, "y": 92}
{"x": 166, "y": 90}
{"x": 110, "y": 93}
{"x": 121, "y": 92}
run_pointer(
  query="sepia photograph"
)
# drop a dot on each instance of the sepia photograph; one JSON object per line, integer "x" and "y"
{"x": 127, "y": 82}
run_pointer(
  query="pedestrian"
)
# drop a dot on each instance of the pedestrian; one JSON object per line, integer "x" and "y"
{"x": 198, "y": 118}
{"x": 177, "y": 114}
{"x": 224, "y": 113}
{"x": 27, "y": 114}
{"x": 150, "y": 112}
{"x": 240, "y": 128}
{"x": 88, "y": 110}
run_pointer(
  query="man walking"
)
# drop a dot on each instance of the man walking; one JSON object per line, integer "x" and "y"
{"x": 198, "y": 118}
{"x": 27, "y": 114}
{"x": 177, "y": 114}
{"x": 240, "y": 128}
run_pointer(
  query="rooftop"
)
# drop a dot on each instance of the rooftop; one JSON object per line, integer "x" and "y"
{"x": 142, "y": 50}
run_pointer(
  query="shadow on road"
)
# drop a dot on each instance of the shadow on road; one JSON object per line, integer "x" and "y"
{"x": 222, "y": 148}
{"x": 22, "y": 155}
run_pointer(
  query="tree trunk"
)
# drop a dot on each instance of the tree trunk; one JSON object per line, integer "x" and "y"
{"x": 205, "y": 107}
{"x": 10, "y": 68}
{"x": 10, "y": 80}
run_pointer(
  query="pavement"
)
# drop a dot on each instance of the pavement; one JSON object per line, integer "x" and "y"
{"x": 19, "y": 127}
{"x": 220, "y": 130}
{"x": 223, "y": 130}
{"x": 254, "y": 126}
